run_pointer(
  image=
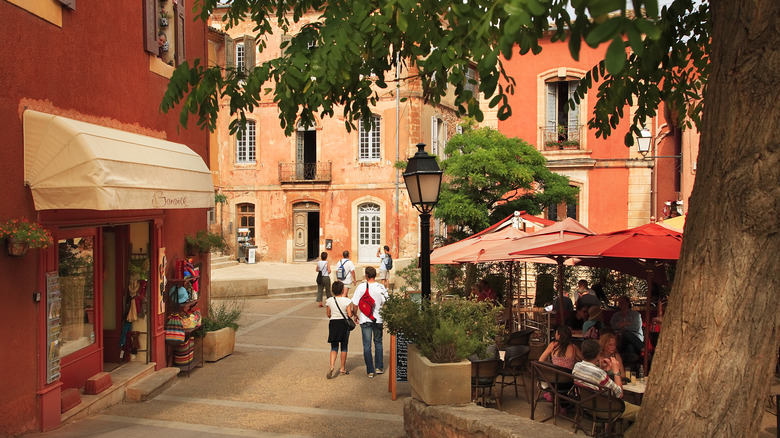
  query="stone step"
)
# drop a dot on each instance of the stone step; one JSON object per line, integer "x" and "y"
{"x": 148, "y": 387}
{"x": 222, "y": 261}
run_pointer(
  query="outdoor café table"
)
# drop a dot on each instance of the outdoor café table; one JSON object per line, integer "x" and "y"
{"x": 636, "y": 388}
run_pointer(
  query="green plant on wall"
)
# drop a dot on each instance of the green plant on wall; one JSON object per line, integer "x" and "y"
{"x": 411, "y": 276}
{"x": 225, "y": 313}
{"x": 204, "y": 241}
{"x": 220, "y": 198}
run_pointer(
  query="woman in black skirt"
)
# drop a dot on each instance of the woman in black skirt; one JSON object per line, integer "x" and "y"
{"x": 338, "y": 308}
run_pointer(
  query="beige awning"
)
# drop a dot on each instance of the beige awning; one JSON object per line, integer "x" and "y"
{"x": 70, "y": 164}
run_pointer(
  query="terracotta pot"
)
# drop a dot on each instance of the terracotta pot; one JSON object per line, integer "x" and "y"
{"x": 16, "y": 247}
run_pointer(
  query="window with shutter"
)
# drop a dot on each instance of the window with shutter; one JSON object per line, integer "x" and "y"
{"x": 240, "y": 56}
{"x": 164, "y": 30}
{"x": 562, "y": 128}
{"x": 249, "y": 53}
{"x": 230, "y": 61}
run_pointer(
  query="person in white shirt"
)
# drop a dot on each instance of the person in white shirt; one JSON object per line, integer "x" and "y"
{"x": 384, "y": 257}
{"x": 323, "y": 267}
{"x": 371, "y": 327}
{"x": 338, "y": 309}
{"x": 348, "y": 271}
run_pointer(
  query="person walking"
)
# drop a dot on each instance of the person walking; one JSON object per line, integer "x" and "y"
{"x": 323, "y": 267}
{"x": 384, "y": 265}
{"x": 345, "y": 272}
{"x": 370, "y": 320}
{"x": 338, "y": 309}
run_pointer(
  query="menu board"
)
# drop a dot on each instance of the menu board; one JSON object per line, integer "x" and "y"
{"x": 400, "y": 357}
{"x": 53, "y": 326}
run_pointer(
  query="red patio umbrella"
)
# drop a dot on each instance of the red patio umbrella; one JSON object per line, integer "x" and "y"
{"x": 628, "y": 251}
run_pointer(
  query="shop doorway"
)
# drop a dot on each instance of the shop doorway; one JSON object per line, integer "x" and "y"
{"x": 306, "y": 231}
{"x": 127, "y": 294}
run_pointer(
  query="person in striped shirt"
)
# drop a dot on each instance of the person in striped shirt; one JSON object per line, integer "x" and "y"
{"x": 588, "y": 373}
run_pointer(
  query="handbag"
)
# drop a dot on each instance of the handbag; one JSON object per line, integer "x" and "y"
{"x": 319, "y": 277}
{"x": 348, "y": 321}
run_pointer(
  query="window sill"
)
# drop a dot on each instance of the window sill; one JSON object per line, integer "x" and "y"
{"x": 157, "y": 66}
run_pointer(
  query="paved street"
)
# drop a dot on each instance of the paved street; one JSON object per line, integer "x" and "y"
{"x": 274, "y": 384}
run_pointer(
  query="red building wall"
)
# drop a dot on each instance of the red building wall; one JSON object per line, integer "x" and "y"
{"x": 92, "y": 68}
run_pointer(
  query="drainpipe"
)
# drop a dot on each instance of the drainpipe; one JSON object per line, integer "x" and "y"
{"x": 397, "y": 154}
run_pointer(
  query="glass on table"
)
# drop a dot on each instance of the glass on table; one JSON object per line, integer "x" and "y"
{"x": 633, "y": 376}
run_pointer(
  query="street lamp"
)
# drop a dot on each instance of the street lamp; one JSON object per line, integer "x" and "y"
{"x": 423, "y": 181}
{"x": 643, "y": 141}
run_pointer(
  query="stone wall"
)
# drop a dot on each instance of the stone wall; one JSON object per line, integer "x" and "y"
{"x": 471, "y": 421}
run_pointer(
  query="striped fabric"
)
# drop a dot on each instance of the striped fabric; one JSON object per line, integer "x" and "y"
{"x": 591, "y": 376}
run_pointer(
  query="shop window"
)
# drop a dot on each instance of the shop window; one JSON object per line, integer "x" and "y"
{"x": 77, "y": 289}
{"x": 246, "y": 219}
{"x": 164, "y": 30}
{"x": 370, "y": 140}
{"x": 245, "y": 143}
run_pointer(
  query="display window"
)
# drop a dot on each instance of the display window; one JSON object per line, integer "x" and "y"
{"x": 76, "y": 270}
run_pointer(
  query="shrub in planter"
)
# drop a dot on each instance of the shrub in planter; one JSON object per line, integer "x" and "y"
{"x": 218, "y": 329}
{"x": 444, "y": 332}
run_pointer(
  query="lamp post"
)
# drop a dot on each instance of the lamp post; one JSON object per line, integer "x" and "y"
{"x": 423, "y": 181}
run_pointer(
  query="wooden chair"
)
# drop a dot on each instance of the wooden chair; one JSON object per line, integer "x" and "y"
{"x": 515, "y": 366}
{"x": 559, "y": 383}
{"x": 600, "y": 406}
{"x": 483, "y": 378}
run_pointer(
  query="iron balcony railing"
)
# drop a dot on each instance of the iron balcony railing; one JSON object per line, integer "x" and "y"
{"x": 319, "y": 172}
{"x": 562, "y": 137}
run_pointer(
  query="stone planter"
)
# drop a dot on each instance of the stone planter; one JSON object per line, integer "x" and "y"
{"x": 438, "y": 383}
{"x": 218, "y": 344}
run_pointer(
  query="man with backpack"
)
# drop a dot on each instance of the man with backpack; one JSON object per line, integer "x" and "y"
{"x": 385, "y": 265}
{"x": 345, "y": 272}
{"x": 369, "y": 298}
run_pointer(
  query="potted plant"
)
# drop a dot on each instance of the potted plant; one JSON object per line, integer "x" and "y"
{"x": 443, "y": 335}
{"x": 205, "y": 242}
{"x": 218, "y": 329}
{"x": 164, "y": 16}
{"x": 21, "y": 234}
{"x": 411, "y": 278}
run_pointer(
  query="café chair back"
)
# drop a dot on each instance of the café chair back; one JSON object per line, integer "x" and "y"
{"x": 515, "y": 367}
{"x": 483, "y": 378}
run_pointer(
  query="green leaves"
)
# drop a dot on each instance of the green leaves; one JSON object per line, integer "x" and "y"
{"x": 616, "y": 56}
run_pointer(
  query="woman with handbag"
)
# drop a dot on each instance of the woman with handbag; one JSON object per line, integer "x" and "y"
{"x": 339, "y": 310}
{"x": 323, "y": 277}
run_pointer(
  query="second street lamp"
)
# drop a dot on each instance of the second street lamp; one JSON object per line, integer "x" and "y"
{"x": 423, "y": 181}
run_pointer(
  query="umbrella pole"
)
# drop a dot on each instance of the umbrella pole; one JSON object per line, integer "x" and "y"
{"x": 560, "y": 290}
{"x": 649, "y": 268}
{"x": 511, "y": 299}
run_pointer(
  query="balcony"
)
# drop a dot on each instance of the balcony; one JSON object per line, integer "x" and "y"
{"x": 562, "y": 137}
{"x": 304, "y": 172}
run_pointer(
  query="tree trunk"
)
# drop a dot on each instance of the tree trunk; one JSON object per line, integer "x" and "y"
{"x": 719, "y": 343}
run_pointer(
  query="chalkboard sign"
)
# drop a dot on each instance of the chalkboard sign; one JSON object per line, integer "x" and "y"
{"x": 400, "y": 357}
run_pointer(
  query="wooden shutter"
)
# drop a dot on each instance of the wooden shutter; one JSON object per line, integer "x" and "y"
{"x": 179, "y": 11}
{"x": 150, "y": 27}
{"x": 434, "y": 136}
{"x": 285, "y": 38}
{"x": 552, "y": 106}
{"x": 574, "y": 114}
{"x": 444, "y": 142}
{"x": 69, "y": 3}
{"x": 230, "y": 56}
{"x": 249, "y": 53}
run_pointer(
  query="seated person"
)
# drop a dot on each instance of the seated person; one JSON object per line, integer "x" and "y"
{"x": 592, "y": 327}
{"x": 578, "y": 318}
{"x": 567, "y": 304}
{"x": 561, "y": 351}
{"x": 608, "y": 344}
{"x": 589, "y": 374}
{"x": 585, "y": 296}
{"x": 488, "y": 294}
{"x": 627, "y": 324}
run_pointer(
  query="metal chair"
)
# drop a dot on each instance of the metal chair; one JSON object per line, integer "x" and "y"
{"x": 483, "y": 378}
{"x": 558, "y": 382}
{"x": 515, "y": 365}
{"x": 600, "y": 406}
{"x": 523, "y": 337}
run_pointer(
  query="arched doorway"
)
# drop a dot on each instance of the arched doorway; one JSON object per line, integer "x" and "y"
{"x": 369, "y": 232}
{"x": 306, "y": 231}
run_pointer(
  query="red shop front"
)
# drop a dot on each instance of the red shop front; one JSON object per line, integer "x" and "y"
{"x": 119, "y": 205}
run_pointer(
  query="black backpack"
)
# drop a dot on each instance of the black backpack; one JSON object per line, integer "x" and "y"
{"x": 389, "y": 262}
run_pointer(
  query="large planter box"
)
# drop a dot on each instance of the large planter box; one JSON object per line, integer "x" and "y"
{"x": 218, "y": 344}
{"x": 438, "y": 383}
